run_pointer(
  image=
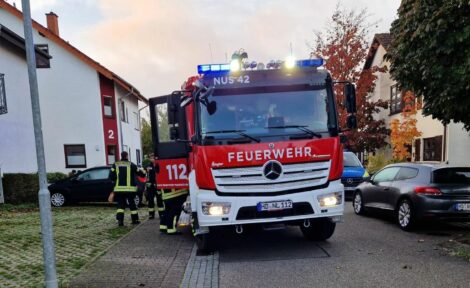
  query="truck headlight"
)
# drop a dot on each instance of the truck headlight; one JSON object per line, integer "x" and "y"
{"x": 216, "y": 208}
{"x": 330, "y": 200}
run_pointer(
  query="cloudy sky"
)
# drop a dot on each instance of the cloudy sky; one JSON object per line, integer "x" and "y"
{"x": 157, "y": 44}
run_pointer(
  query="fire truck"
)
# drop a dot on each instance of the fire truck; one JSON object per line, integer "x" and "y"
{"x": 255, "y": 145}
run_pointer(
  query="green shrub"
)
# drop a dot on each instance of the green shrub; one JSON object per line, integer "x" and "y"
{"x": 23, "y": 188}
{"x": 378, "y": 161}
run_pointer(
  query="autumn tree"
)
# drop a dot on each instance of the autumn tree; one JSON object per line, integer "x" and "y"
{"x": 430, "y": 55}
{"x": 403, "y": 132}
{"x": 344, "y": 47}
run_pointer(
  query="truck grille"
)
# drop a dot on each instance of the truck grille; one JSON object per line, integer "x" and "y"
{"x": 352, "y": 181}
{"x": 251, "y": 179}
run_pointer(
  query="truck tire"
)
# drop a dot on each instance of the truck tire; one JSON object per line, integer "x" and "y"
{"x": 204, "y": 243}
{"x": 319, "y": 229}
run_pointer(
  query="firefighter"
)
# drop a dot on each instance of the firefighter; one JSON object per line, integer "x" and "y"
{"x": 153, "y": 168}
{"x": 173, "y": 200}
{"x": 124, "y": 174}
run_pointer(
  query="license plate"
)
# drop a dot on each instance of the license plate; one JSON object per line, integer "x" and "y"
{"x": 462, "y": 206}
{"x": 274, "y": 205}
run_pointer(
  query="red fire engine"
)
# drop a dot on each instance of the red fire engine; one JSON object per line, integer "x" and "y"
{"x": 254, "y": 144}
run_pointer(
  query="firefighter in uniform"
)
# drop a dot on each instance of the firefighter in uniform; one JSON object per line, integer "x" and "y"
{"x": 124, "y": 174}
{"x": 173, "y": 200}
{"x": 152, "y": 191}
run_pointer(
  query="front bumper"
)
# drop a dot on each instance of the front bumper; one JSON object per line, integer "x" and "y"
{"x": 443, "y": 207}
{"x": 243, "y": 208}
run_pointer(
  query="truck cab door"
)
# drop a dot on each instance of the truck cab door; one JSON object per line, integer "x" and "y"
{"x": 170, "y": 141}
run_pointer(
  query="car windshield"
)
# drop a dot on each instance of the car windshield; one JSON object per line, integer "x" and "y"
{"x": 452, "y": 176}
{"x": 350, "y": 160}
{"x": 267, "y": 114}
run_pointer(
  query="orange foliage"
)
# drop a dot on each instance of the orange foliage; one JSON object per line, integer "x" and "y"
{"x": 403, "y": 132}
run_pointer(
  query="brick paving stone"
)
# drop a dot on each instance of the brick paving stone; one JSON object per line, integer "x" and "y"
{"x": 201, "y": 271}
{"x": 144, "y": 258}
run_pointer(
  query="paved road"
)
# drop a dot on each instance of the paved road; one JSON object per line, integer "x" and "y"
{"x": 363, "y": 252}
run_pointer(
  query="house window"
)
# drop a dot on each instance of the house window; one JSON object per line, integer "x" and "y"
{"x": 123, "y": 111}
{"x": 137, "y": 154}
{"x": 3, "y": 96}
{"x": 395, "y": 100}
{"x": 136, "y": 121}
{"x": 108, "y": 106}
{"x": 432, "y": 149}
{"x": 42, "y": 62}
{"x": 111, "y": 154}
{"x": 75, "y": 156}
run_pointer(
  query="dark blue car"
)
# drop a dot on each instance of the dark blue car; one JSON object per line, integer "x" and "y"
{"x": 353, "y": 174}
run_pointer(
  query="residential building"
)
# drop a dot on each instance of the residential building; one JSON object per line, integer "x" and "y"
{"x": 89, "y": 114}
{"x": 438, "y": 143}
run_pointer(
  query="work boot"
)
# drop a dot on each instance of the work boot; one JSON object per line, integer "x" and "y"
{"x": 137, "y": 222}
{"x": 151, "y": 215}
{"x": 120, "y": 223}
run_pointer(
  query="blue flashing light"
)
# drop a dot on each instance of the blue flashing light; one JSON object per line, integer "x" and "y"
{"x": 310, "y": 63}
{"x": 207, "y": 68}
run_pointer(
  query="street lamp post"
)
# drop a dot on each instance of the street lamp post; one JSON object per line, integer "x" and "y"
{"x": 44, "y": 195}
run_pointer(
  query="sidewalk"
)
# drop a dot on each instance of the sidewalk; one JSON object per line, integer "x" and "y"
{"x": 144, "y": 258}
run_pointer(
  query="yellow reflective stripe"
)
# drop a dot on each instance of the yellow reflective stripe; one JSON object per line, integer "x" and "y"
{"x": 120, "y": 211}
{"x": 134, "y": 212}
{"x": 125, "y": 189}
{"x": 161, "y": 209}
{"x": 173, "y": 230}
{"x": 128, "y": 174}
{"x": 163, "y": 227}
{"x": 151, "y": 209}
{"x": 174, "y": 194}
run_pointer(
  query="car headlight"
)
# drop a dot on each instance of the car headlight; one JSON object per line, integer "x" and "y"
{"x": 330, "y": 200}
{"x": 216, "y": 208}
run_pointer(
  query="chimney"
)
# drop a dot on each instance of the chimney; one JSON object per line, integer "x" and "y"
{"x": 53, "y": 22}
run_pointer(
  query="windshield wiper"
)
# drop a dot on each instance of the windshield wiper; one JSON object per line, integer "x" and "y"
{"x": 239, "y": 132}
{"x": 300, "y": 127}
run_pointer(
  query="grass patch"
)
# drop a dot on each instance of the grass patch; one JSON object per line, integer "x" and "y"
{"x": 80, "y": 234}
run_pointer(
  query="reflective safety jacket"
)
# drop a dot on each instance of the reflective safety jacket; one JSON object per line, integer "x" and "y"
{"x": 124, "y": 174}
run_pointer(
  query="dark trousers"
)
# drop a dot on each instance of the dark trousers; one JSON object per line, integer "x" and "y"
{"x": 121, "y": 198}
{"x": 173, "y": 208}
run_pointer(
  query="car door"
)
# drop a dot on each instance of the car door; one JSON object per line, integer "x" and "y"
{"x": 92, "y": 185}
{"x": 403, "y": 179}
{"x": 375, "y": 195}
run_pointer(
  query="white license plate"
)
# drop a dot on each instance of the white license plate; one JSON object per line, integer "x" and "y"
{"x": 462, "y": 207}
{"x": 274, "y": 205}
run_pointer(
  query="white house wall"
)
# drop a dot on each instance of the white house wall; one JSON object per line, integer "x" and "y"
{"x": 17, "y": 148}
{"x": 458, "y": 145}
{"x": 130, "y": 133}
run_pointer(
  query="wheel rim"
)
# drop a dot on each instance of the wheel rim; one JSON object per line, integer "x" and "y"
{"x": 404, "y": 214}
{"x": 57, "y": 199}
{"x": 357, "y": 203}
{"x": 137, "y": 200}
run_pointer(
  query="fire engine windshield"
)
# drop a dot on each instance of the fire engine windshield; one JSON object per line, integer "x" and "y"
{"x": 291, "y": 113}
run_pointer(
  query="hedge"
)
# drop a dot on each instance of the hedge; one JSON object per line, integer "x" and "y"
{"x": 23, "y": 188}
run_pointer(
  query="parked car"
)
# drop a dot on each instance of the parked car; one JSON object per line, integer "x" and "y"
{"x": 416, "y": 192}
{"x": 91, "y": 185}
{"x": 353, "y": 174}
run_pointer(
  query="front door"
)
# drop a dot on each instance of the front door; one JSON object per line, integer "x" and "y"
{"x": 377, "y": 193}
{"x": 171, "y": 146}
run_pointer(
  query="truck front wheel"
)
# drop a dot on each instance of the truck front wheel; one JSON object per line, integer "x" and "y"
{"x": 204, "y": 243}
{"x": 318, "y": 229}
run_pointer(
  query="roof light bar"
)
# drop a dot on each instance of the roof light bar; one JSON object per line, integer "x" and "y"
{"x": 208, "y": 68}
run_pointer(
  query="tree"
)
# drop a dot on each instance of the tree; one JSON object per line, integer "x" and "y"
{"x": 163, "y": 130}
{"x": 146, "y": 134}
{"x": 344, "y": 48}
{"x": 430, "y": 55}
{"x": 403, "y": 132}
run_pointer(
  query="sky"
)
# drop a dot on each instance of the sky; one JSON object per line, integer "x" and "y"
{"x": 157, "y": 44}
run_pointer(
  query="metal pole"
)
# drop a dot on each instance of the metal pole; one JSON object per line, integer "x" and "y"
{"x": 2, "y": 199}
{"x": 44, "y": 196}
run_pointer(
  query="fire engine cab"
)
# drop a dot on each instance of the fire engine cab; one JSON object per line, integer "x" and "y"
{"x": 254, "y": 144}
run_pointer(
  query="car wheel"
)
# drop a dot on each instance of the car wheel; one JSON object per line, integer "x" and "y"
{"x": 318, "y": 229}
{"x": 204, "y": 243}
{"x": 405, "y": 215}
{"x": 57, "y": 199}
{"x": 358, "y": 204}
{"x": 137, "y": 200}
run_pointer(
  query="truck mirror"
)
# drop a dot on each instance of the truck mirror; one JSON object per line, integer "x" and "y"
{"x": 351, "y": 121}
{"x": 174, "y": 133}
{"x": 186, "y": 101}
{"x": 350, "y": 97}
{"x": 211, "y": 107}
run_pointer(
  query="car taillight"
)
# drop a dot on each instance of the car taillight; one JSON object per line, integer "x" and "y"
{"x": 424, "y": 190}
